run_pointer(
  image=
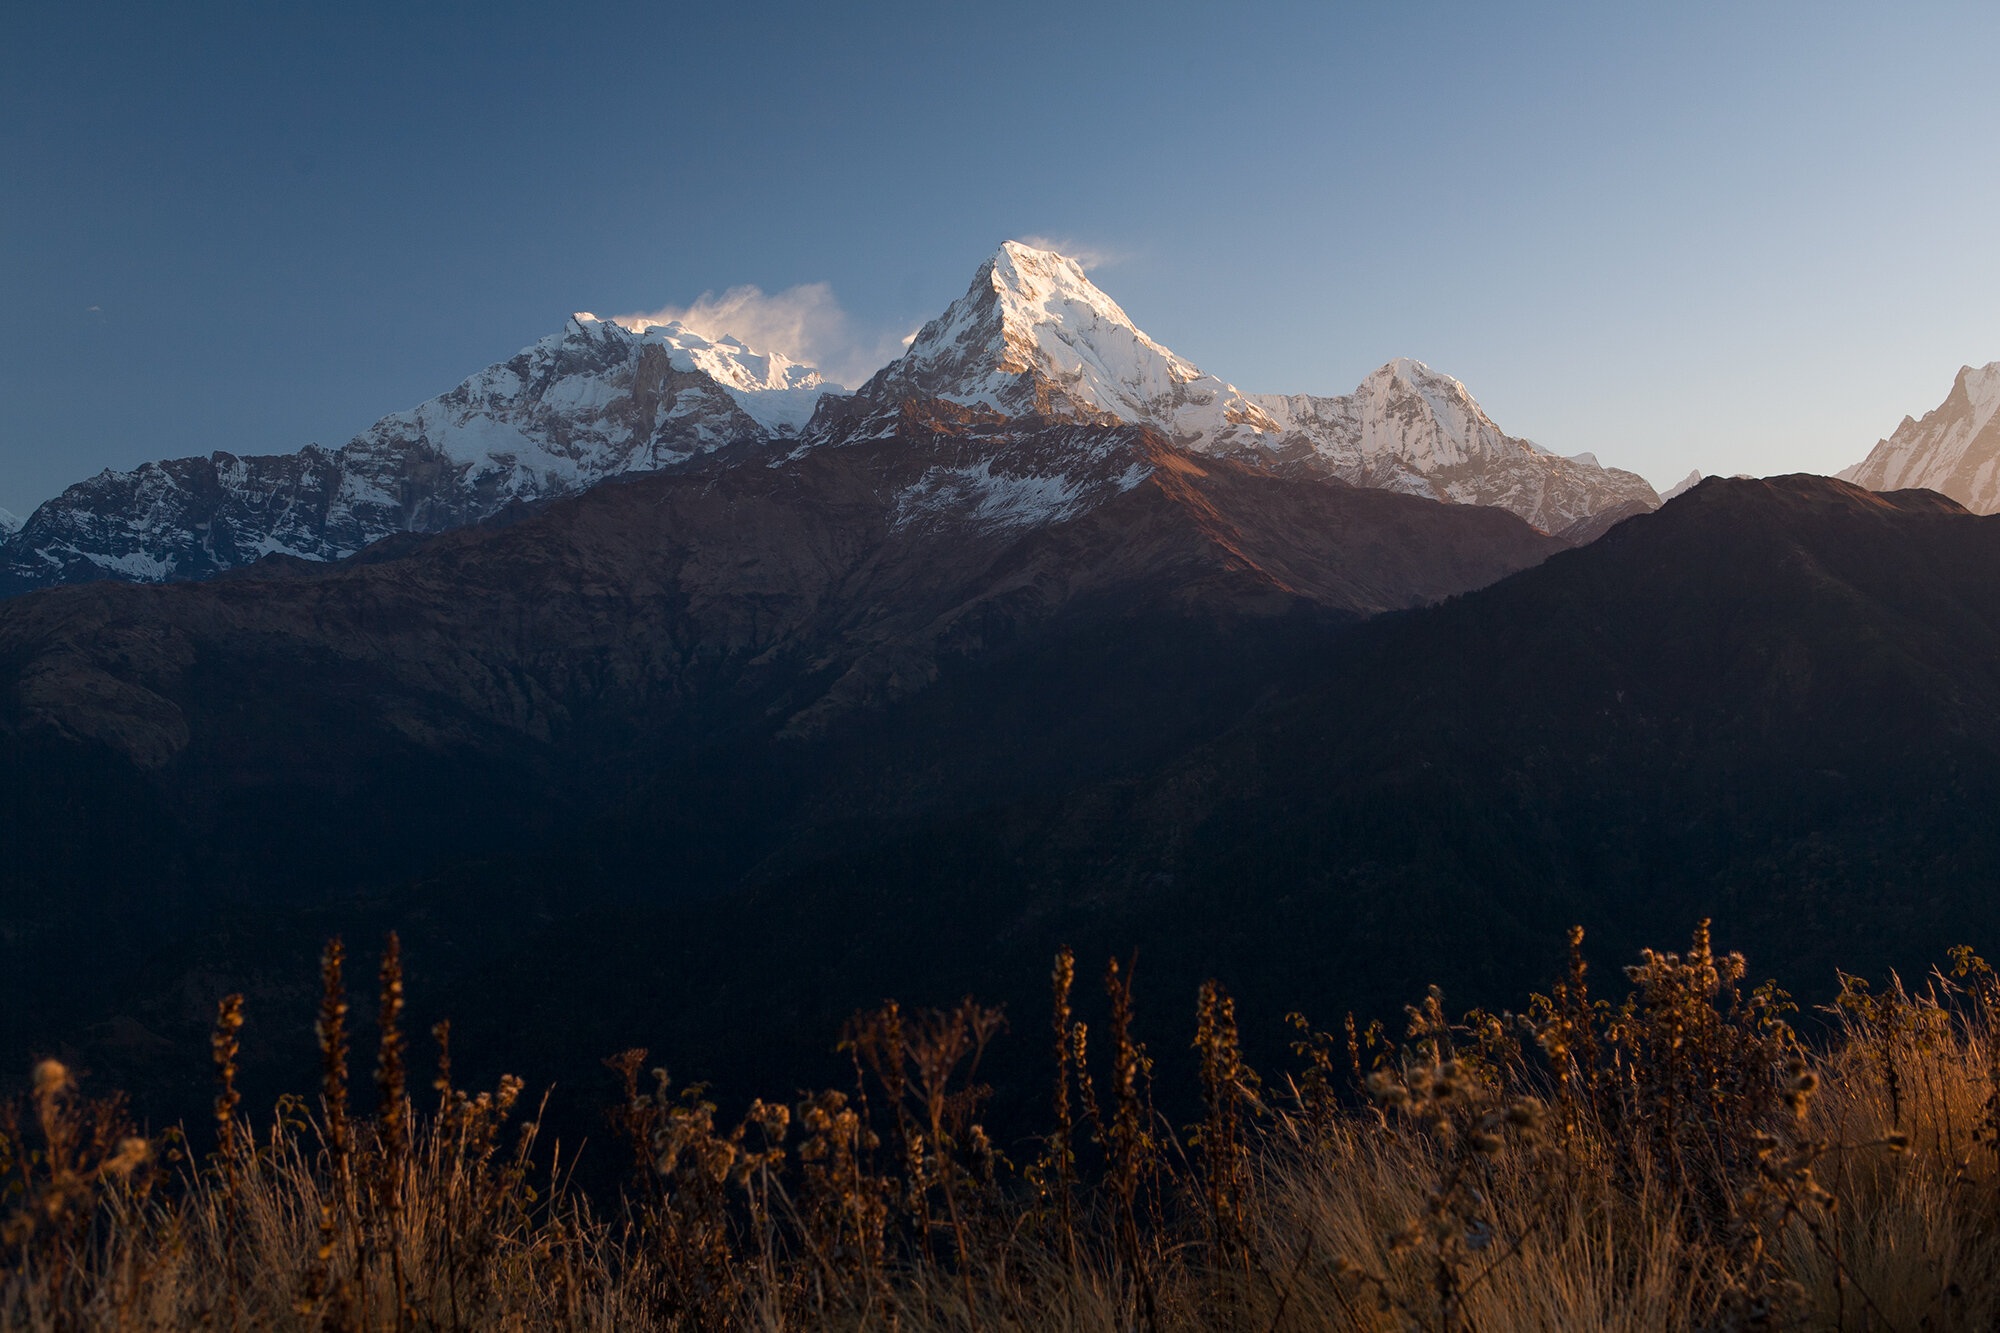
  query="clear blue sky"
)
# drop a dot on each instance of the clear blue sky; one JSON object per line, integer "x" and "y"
{"x": 1738, "y": 237}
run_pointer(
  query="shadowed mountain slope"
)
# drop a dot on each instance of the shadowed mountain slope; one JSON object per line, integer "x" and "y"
{"x": 662, "y": 684}
{"x": 1776, "y": 703}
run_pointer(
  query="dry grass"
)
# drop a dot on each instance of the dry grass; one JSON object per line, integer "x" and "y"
{"x": 1678, "y": 1161}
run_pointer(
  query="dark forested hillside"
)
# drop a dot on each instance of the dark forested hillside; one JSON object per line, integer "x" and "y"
{"x": 1775, "y": 703}
{"x": 644, "y": 697}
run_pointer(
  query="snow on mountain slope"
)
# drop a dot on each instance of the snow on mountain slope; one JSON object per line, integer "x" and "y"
{"x": 1954, "y": 450}
{"x": 777, "y": 393}
{"x": 1409, "y": 428}
{"x": 599, "y": 399}
{"x": 1032, "y": 342}
{"x": 1682, "y": 487}
{"x": 593, "y": 401}
{"x": 1034, "y": 335}
{"x": 8, "y": 523}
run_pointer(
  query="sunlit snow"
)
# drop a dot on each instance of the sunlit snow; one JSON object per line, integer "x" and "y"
{"x": 1954, "y": 450}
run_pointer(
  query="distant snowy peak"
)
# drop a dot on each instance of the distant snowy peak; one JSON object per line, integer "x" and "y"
{"x": 727, "y": 359}
{"x": 599, "y": 399}
{"x": 1403, "y": 411}
{"x": 1032, "y": 348}
{"x": 1410, "y": 428}
{"x": 8, "y": 523}
{"x": 1682, "y": 487}
{"x": 1954, "y": 450}
{"x": 1034, "y": 335}
{"x": 595, "y": 400}
{"x": 773, "y": 390}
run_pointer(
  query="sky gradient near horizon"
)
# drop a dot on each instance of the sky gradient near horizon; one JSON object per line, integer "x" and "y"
{"x": 1738, "y": 238}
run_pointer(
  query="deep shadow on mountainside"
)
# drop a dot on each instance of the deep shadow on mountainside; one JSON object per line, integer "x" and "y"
{"x": 595, "y": 717}
{"x": 1775, "y": 703}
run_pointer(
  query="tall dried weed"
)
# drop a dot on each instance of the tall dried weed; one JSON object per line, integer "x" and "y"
{"x": 1682, "y": 1159}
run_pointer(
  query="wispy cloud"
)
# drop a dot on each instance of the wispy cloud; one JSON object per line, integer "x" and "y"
{"x": 805, "y": 323}
{"x": 1087, "y": 256}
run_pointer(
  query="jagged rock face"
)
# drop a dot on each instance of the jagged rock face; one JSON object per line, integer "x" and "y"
{"x": 1954, "y": 450}
{"x": 1408, "y": 428}
{"x": 189, "y": 518}
{"x": 593, "y": 401}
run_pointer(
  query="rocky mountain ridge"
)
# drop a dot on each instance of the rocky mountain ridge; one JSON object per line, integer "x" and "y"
{"x": 1954, "y": 450}
{"x": 1682, "y": 487}
{"x": 1412, "y": 429}
{"x": 1033, "y": 339}
{"x": 1033, "y": 335}
{"x": 857, "y": 566}
{"x": 592, "y": 401}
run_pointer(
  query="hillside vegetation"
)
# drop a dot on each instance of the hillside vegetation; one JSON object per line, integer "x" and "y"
{"x": 1694, "y": 1156}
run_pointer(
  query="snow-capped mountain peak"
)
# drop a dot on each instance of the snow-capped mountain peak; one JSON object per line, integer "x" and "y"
{"x": 1410, "y": 428}
{"x": 1682, "y": 487}
{"x": 1032, "y": 339}
{"x": 599, "y": 398}
{"x": 1981, "y": 388}
{"x": 8, "y": 523}
{"x": 1406, "y": 393}
{"x": 1954, "y": 450}
{"x": 776, "y": 392}
{"x": 1034, "y": 335}
{"x": 1053, "y": 316}
{"x": 594, "y": 400}
{"x": 725, "y": 358}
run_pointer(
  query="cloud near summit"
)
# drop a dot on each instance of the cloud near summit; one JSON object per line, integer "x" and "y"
{"x": 804, "y": 323}
{"x": 1087, "y": 257}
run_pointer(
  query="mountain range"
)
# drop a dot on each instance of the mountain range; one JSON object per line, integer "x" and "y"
{"x": 1031, "y": 337}
{"x": 670, "y": 682}
{"x": 594, "y": 401}
{"x": 724, "y": 702}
